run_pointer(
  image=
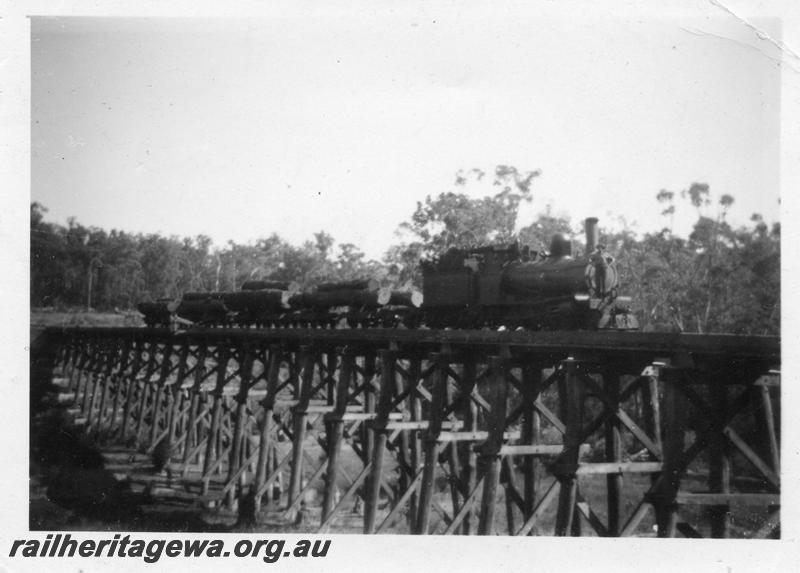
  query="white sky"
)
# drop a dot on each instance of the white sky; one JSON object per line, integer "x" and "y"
{"x": 309, "y": 121}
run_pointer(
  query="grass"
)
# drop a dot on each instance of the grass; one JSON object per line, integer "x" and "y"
{"x": 47, "y": 317}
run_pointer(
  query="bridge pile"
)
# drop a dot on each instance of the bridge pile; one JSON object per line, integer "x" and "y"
{"x": 448, "y": 432}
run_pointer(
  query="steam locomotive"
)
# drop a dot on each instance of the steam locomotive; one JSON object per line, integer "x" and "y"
{"x": 497, "y": 286}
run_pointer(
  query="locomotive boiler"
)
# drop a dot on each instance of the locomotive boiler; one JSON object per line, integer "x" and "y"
{"x": 505, "y": 286}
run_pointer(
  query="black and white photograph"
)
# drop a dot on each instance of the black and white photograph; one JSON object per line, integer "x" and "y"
{"x": 337, "y": 284}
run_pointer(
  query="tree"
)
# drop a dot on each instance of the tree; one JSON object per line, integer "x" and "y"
{"x": 719, "y": 279}
{"x": 453, "y": 219}
{"x": 47, "y": 259}
{"x": 538, "y": 234}
{"x": 120, "y": 283}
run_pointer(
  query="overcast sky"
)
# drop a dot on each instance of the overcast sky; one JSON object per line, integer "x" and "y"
{"x": 307, "y": 121}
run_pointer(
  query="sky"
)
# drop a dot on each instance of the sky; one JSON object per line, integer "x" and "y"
{"x": 305, "y": 121}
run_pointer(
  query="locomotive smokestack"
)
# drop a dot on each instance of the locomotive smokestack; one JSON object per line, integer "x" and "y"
{"x": 592, "y": 234}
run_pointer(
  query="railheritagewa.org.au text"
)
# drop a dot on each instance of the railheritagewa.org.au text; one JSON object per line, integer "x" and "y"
{"x": 151, "y": 551}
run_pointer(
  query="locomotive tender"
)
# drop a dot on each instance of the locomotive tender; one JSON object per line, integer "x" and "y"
{"x": 498, "y": 286}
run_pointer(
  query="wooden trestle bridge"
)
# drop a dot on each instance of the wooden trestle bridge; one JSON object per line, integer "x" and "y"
{"x": 447, "y": 432}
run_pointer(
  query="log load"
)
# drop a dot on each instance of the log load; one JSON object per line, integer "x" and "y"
{"x": 271, "y": 285}
{"x": 411, "y": 297}
{"x": 158, "y": 312}
{"x": 370, "y": 285}
{"x": 323, "y": 299}
{"x": 266, "y": 300}
{"x": 193, "y": 296}
{"x": 208, "y": 311}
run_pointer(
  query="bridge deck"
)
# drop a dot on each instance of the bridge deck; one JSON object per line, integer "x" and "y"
{"x": 725, "y": 345}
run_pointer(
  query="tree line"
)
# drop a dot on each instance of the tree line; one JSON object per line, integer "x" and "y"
{"x": 718, "y": 279}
